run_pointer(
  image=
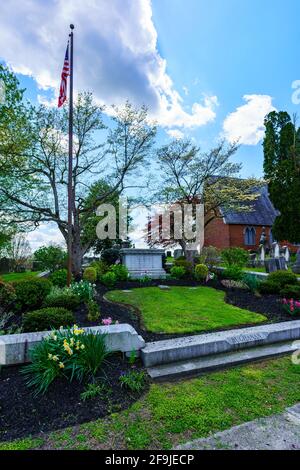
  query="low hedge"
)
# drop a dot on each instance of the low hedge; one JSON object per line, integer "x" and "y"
{"x": 47, "y": 318}
{"x": 31, "y": 293}
{"x": 90, "y": 274}
{"x": 201, "y": 272}
{"x": 291, "y": 292}
{"x": 62, "y": 298}
{"x": 7, "y": 294}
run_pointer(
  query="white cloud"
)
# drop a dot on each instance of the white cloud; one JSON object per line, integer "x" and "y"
{"x": 45, "y": 234}
{"x": 175, "y": 134}
{"x": 116, "y": 54}
{"x": 246, "y": 123}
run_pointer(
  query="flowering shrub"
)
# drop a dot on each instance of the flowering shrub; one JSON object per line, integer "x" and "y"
{"x": 107, "y": 321}
{"x": 291, "y": 306}
{"x": 72, "y": 353}
{"x": 84, "y": 290}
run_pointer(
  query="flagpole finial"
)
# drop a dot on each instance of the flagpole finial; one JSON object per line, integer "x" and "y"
{"x": 72, "y": 26}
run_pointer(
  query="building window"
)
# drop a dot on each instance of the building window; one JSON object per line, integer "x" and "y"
{"x": 249, "y": 236}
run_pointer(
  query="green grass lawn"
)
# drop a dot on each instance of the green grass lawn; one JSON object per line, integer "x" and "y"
{"x": 18, "y": 276}
{"x": 184, "y": 309}
{"x": 173, "y": 413}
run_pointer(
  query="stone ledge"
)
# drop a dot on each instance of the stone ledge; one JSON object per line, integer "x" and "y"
{"x": 188, "y": 347}
{"x": 15, "y": 349}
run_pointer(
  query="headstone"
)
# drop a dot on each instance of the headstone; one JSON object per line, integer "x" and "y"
{"x": 252, "y": 260}
{"x": 143, "y": 262}
{"x": 262, "y": 254}
{"x": 270, "y": 265}
{"x": 286, "y": 253}
{"x": 275, "y": 250}
{"x": 296, "y": 266}
{"x": 281, "y": 263}
{"x": 162, "y": 287}
{"x": 177, "y": 253}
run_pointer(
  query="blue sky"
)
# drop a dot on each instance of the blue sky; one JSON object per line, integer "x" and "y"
{"x": 206, "y": 69}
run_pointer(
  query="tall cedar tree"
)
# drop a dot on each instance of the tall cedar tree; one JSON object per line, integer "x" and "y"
{"x": 282, "y": 170}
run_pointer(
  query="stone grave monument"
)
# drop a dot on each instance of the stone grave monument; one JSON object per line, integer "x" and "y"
{"x": 296, "y": 266}
{"x": 142, "y": 262}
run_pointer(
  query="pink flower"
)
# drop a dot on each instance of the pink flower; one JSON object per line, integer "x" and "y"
{"x": 107, "y": 321}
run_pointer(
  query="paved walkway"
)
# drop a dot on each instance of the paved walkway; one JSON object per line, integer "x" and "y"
{"x": 277, "y": 432}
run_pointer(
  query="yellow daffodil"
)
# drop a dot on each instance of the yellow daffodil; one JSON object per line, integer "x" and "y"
{"x": 61, "y": 365}
{"x": 55, "y": 358}
{"x": 50, "y": 356}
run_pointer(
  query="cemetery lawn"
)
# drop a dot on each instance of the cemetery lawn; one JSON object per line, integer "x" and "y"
{"x": 173, "y": 413}
{"x": 11, "y": 277}
{"x": 184, "y": 309}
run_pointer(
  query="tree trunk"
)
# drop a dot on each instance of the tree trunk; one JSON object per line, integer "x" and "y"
{"x": 77, "y": 254}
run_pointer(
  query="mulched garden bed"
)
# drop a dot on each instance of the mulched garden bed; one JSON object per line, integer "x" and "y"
{"x": 22, "y": 414}
{"x": 268, "y": 305}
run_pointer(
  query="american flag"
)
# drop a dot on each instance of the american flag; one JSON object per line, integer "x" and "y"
{"x": 64, "y": 76}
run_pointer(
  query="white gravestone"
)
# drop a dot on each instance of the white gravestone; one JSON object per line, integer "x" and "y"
{"x": 143, "y": 262}
{"x": 286, "y": 253}
{"x": 276, "y": 250}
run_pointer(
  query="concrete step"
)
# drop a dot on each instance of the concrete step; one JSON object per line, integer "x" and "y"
{"x": 189, "y": 347}
{"x": 197, "y": 366}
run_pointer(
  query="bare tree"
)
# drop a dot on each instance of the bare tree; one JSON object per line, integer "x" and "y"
{"x": 37, "y": 192}
{"x": 209, "y": 178}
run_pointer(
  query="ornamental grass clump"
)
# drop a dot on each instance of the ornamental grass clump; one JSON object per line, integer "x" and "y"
{"x": 72, "y": 353}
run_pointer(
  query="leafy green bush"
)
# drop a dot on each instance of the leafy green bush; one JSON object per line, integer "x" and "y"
{"x": 7, "y": 294}
{"x": 83, "y": 289}
{"x": 235, "y": 257}
{"x": 109, "y": 279}
{"x": 291, "y": 292}
{"x": 31, "y": 293}
{"x": 59, "y": 278}
{"x": 72, "y": 353}
{"x": 62, "y": 298}
{"x": 120, "y": 271}
{"x": 50, "y": 258}
{"x": 201, "y": 272}
{"x": 177, "y": 272}
{"x": 133, "y": 380}
{"x": 187, "y": 265}
{"x": 283, "y": 278}
{"x": 101, "y": 268}
{"x": 233, "y": 272}
{"x": 90, "y": 274}
{"x": 268, "y": 287}
{"x": 110, "y": 255}
{"x": 251, "y": 282}
{"x": 47, "y": 318}
{"x": 93, "y": 311}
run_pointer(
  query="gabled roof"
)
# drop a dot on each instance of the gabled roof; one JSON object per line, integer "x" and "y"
{"x": 262, "y": 212}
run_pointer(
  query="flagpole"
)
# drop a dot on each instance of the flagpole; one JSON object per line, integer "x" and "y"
{"x": 70, "y": 169}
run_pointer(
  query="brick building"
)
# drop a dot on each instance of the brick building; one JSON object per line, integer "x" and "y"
{"x": 243, "y": 229}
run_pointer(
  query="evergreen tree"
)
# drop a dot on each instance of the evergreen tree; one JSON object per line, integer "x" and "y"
{"x": 282, "y": 170}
